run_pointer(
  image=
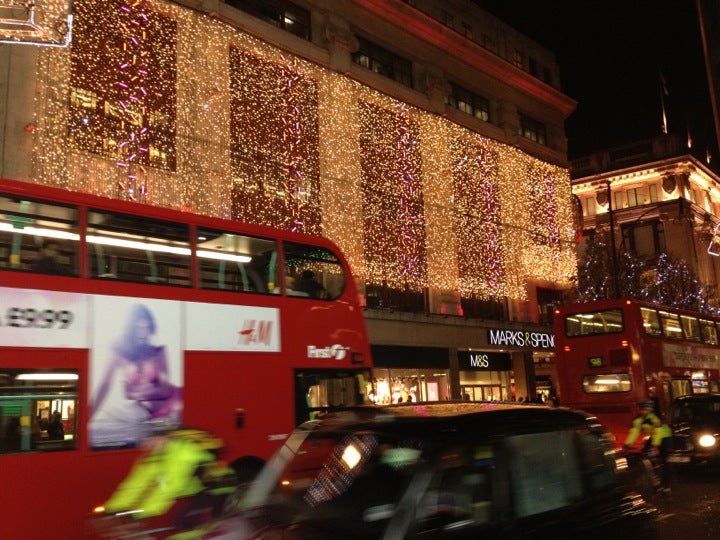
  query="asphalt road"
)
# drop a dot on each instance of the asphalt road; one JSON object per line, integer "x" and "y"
{"x": 693, "y": 510}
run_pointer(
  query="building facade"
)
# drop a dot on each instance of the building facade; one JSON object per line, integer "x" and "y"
{"x": 426, "y": 139}
{"x": 657, "y": 196}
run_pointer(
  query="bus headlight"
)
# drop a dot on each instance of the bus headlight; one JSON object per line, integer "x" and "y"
{"x": 706, "y": 441}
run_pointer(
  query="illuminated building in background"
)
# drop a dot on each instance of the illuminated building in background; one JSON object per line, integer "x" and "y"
{"x": 426, "y": 139}
{"x": 659, "y": 196}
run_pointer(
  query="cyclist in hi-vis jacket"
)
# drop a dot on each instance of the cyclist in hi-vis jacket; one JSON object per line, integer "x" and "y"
{"x": 657, "y": 435}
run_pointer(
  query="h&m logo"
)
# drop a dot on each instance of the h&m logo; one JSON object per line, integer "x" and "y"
{"x": 254, "y": 332}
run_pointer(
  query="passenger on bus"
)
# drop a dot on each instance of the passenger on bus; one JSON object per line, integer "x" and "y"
{"x": 56, "y": 431}
{"x": 307, "y": 284}
{"x": 290, "y": 287}
{"x": 47, "y": 260}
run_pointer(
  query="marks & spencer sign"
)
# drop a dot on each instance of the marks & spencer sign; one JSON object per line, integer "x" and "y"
{"x": 505, "y": 337}
{"x": 484, "y": 361}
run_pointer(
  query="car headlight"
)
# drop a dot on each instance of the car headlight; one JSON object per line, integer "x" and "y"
{"x": 706, "y": 441}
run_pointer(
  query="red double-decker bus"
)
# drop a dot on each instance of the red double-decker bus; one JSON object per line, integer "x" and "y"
{"x": 612, "y": 354}
{"x": 118, "y": 319}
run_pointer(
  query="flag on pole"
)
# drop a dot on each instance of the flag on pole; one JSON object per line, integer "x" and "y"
{"x": 663, "y": 83}
{"x": 665, "y": 92}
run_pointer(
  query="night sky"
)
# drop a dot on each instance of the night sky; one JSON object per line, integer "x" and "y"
{"x": 613, "y": 55}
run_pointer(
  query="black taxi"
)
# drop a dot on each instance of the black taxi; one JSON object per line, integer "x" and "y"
{"x": 442, "y": 471}
{"x": 695, "y": 424}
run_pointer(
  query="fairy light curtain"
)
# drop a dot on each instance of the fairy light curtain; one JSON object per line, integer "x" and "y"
{"x": 477, "y": 219}
{"x": 393, "y": 221}
{"x": 236, "y": 128}
{"x": 122, "y": 80}
{"x": 274, "y": 144}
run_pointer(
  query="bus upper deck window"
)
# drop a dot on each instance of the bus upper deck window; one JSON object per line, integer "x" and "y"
{"x": 136, "y": 248}
{"x": 36, "y": 236}
{"x": 313, "y": 271}
{"x": 690, "y": 327}
{"x": 610, "y": 321}
{"x": 651, "y": 321}
{"x": 709, "y": 332}
{"x": 671, "y": 325}
{"x": 235, "y": 262}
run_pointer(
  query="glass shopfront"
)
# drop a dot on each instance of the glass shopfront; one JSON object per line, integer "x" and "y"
{"x": 403, "y": 374}
{"x": 485, "y": 376}
{"x": 403, "y": 385}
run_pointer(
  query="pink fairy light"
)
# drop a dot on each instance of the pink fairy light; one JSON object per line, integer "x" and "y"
{"x": 292, "y": 136}
{"x": 410, "y": 234}
{"x": 131, "y": 71}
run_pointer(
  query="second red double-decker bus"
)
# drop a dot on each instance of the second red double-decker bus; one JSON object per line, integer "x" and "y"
{"x": 612, "y": 354}
{"x": 117, "y": 317}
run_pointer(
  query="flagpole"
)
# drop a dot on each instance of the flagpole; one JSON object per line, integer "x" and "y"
{"x": 663, "y": 93}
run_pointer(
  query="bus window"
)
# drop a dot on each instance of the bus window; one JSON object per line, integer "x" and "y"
{"x": 671, "y": 325}
{"x": 37, "y": 236}
{"x": 322, "y": 390}
{"x": 651, "y": 322}
{"x": 609, "y": 382}
{"x": 234, "y": 262}
{"x": 700, "y": 385}
{"x": 691, "y": 327}
{"x": 313, "y": 272}
{"x": 709, "y": 332}
{"x": 135, "y": 248}
{"x": 680, "y": 387}
{"x": 609, "y": 321}
{"x": 37, "y": 410}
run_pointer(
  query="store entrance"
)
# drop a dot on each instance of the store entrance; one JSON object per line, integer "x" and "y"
{"x": 483, "y": 392}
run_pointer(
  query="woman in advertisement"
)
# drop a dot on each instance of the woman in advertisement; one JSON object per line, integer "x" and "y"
{"x": 150, "y": 397}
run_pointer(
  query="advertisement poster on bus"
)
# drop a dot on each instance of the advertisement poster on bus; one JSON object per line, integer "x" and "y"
{"x": 220, "y": 327}
{"x": 136, "y": 370}
{"x": 55, "y": 319}
{"x": 690, "y": 356}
